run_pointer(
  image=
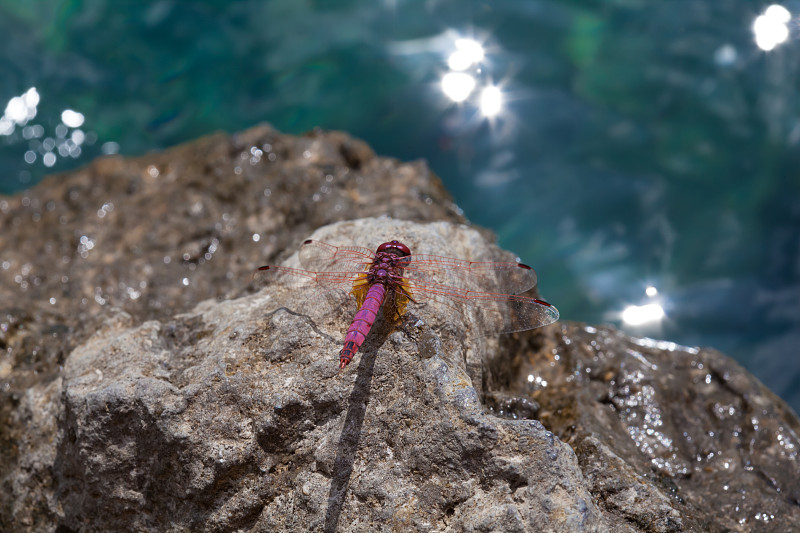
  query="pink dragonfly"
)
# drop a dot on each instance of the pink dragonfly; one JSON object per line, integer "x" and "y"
{"x": 392, "y": 277}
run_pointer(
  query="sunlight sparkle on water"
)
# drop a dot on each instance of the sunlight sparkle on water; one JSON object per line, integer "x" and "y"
{"x": 491, "y": 101}
{"x": 71, "y": 118}
{"x": 16, "y": 110}
{"x": 770, "y": 29}
{"x": 639, "y": 315}
{"x": 457, "y": 85}
{"x": 779, "y": 13}
{"x": 468, "y": 52}
{"x": 19, "y": 110}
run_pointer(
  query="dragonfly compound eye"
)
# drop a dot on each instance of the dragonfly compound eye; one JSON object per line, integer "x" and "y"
{"x": 396, "y": 247}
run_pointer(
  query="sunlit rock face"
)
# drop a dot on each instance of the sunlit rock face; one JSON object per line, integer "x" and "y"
{"x": 150, "y": 384}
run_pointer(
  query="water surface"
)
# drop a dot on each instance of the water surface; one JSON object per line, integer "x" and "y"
{"x": 622, "y": 144}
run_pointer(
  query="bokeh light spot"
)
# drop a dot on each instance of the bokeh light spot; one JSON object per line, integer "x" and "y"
{"x": 457, "y": 85}
{"x": 71, "y": 118}
{"x": 491, "y": 101}
{"x": 471, "y": 49}
{"x": 639, "y": 315}
{"x": 770, "y": 29}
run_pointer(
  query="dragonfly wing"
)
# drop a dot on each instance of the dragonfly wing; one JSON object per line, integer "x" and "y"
{"x": 497, "y": 313}
{"x": 318, "y": 256}
{"x": 320, "y": 293}
{"x": 295, "y": 277}
{"x": 480, "y": 276}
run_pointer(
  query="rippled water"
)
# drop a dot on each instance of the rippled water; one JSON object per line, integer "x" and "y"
{"x": 615, "y": 146}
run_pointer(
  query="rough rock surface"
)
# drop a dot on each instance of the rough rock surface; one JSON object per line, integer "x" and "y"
{"x": 148, "y": 383}
{"x": 669, "y": 438}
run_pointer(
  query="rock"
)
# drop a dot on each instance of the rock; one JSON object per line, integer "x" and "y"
{"x": 234, "y": 416}
{"x": 136, "y": 239}
{"x": 150, "y": 384}
{"x": 669, "y": 438}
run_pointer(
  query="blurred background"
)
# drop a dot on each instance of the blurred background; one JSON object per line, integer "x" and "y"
{"x": 644, "y": 157}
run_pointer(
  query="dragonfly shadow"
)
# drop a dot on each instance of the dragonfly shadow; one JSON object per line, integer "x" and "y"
{"x": 353, "y": 423}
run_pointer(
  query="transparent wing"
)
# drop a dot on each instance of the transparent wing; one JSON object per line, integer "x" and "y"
{"x": 328, "y": 266}
{"x": 297, "y": 277}
{"x": 497, "y": 313}
{"x": 318, "y": 256}
{"x": 481, "y": 276}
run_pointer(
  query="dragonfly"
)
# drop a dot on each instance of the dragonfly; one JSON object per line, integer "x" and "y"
{"x": 390, "y": 278}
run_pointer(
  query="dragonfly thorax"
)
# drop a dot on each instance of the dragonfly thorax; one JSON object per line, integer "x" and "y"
{"x": 387, "y": 268}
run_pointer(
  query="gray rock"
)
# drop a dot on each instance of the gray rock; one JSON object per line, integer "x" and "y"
{"x": 249, "y": 424}
{"x": 149, "y": 384}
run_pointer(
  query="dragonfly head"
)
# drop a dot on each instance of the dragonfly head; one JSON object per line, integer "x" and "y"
{"x": 395, "y": 247}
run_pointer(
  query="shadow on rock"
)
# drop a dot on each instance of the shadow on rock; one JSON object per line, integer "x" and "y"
{"x": 354, "y": 421}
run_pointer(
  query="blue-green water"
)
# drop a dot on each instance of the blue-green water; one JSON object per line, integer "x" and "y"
{"x": 637, "y": 143}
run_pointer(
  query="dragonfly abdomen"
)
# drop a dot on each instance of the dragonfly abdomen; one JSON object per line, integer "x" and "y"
{"x": 362, "y": 323}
